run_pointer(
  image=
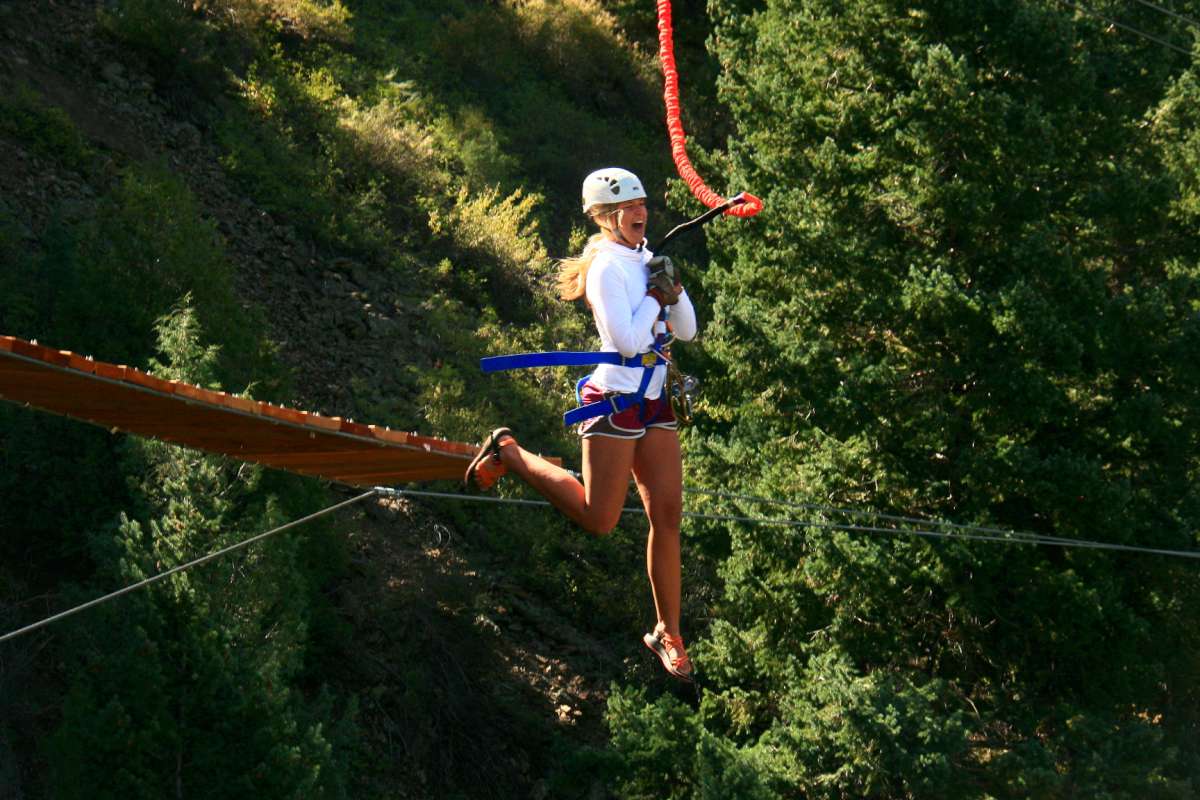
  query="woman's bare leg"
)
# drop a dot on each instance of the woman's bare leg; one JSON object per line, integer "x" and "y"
{"x": 595, "y": 505}
{"x": 658, "y": 468}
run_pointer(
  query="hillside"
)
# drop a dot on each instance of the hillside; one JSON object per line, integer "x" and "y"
{"x": 942, "y": 481}
{"x": 467, "y": 681}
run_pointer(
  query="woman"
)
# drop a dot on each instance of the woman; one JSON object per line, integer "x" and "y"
{"x": 628, "y": 291}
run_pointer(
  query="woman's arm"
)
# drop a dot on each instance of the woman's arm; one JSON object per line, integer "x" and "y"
{"x": 683, "y": 318}
{"x": 628, "y": 328}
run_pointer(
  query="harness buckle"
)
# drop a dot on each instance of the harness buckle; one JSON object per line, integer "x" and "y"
{"x": 681, "y": 388}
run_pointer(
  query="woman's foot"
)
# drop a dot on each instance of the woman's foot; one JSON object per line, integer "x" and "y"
{"x": 669, "y": 650}
{"x": 487, "y": 468}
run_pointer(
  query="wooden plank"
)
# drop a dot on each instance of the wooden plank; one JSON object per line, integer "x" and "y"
{"x": 121, "y": 398}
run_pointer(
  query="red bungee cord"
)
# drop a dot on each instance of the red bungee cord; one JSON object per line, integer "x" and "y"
{"x": 666, "y": 55}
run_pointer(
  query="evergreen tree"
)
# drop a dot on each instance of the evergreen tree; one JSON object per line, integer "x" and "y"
{"x": 184, "y": 689}
{"x": 972, "y": 296}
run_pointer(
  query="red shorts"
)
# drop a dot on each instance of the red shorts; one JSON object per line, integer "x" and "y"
{"x": 630, "y": 423}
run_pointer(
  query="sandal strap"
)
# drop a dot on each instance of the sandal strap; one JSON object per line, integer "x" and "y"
{"x": 674, "y": 643}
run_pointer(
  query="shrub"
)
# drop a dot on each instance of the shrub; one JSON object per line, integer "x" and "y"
{"x": 304, "y": 18}
{"x": 498, "y": 242}
{"x": 46, "y": 129}
{"x": 386, "y": 139}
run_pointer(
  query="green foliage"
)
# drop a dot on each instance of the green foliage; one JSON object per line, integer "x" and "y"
{"x": 181, "y": 49}
{"x": 281, "y": 145}
{"x": 956, "y": 306}
{"x": 371, "y": 130}
{"x": 43, "y": 128}
{"x": 498, "y": 251}
{"x": 189, "y": 688}
{"x": 96, "y": 284}
{"x": 305, "y": 18}
{"x": 560, "y": 80}
{"x": 162, "y": 30}
{"x": 18, "y": 304}
{"x": 668, "y": 754}
{"x": 973, "y": 295}
{"x": 1177, "y": 129}
{"x": 150, "y": 245}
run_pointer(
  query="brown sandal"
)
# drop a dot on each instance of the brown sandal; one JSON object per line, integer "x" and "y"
{"x": 670, "y": 652}
{"x": 486, "y": 468}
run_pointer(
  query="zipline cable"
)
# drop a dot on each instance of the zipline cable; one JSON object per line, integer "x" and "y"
{"x": 1170, "y": 13}
{"x": 1123, "y": 26}
{"x": 858, "y": 513}
{"x": 965, "y": 532}
{"x": 956, "y": 531}
{"x": 872, "y": 515}
{"x": 180, "y": 568}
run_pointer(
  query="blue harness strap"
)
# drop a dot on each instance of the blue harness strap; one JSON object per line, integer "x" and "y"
{"x": 613, "y": 404}
{"x": 555, "y": 358}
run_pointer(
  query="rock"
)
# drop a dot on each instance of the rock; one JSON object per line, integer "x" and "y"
{"x": 388, "y": 509}
{"x": 381, "y": 327}
{"x": 186, "y": 134}
{"x": 114, "y": 73}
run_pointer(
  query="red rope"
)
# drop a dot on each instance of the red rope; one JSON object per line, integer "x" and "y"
{"x": 666, "y": 55}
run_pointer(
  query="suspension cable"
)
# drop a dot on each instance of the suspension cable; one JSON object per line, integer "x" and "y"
{"x": 861, "y": 514}
{"x": 959, "y": 531}
{"x": 1085, "y": 10}
{"x": 180, "y": 568}
{"x": 940, "y": 530}
{"x": 1185, "y": 20}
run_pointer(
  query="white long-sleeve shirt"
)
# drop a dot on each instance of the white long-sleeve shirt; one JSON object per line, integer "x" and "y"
{"x": 625, "y": 315}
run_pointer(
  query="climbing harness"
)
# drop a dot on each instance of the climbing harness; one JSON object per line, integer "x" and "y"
{"x": 613, "y": 403}
{"x": 681, "y": 389}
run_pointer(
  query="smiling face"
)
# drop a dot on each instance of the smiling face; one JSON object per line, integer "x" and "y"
{"x": 624, "y": 223}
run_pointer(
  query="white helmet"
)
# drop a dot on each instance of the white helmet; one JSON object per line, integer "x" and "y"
{"x": 611, "y": 185}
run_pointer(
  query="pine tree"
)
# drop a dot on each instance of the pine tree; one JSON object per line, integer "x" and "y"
{"x": 184, "y": 689}
{"x": 972, "y": 296}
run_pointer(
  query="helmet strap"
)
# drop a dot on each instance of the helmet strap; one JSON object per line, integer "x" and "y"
{"x": 615, "y": 230}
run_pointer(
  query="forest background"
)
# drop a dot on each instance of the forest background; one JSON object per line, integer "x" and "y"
{"x": 973, "y": 297}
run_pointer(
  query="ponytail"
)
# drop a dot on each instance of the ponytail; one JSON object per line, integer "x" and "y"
{"x": 572, "y": 272}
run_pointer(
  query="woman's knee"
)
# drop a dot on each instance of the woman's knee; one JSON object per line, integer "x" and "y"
{"x": 602, "y": 524}
{"x": 666, "y": 514}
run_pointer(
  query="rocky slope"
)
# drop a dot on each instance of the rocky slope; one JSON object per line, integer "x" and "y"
{"x": 336, "y": 324}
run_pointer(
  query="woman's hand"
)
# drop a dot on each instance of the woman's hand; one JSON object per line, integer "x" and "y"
{"x": 664, "y": 285}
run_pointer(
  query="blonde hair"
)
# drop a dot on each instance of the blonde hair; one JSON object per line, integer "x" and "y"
{"x": 572, "y": 272}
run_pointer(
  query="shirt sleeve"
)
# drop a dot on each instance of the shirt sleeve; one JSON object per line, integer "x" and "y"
{"x": 629, "y": 329}
{"x": 682, "y": 317}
